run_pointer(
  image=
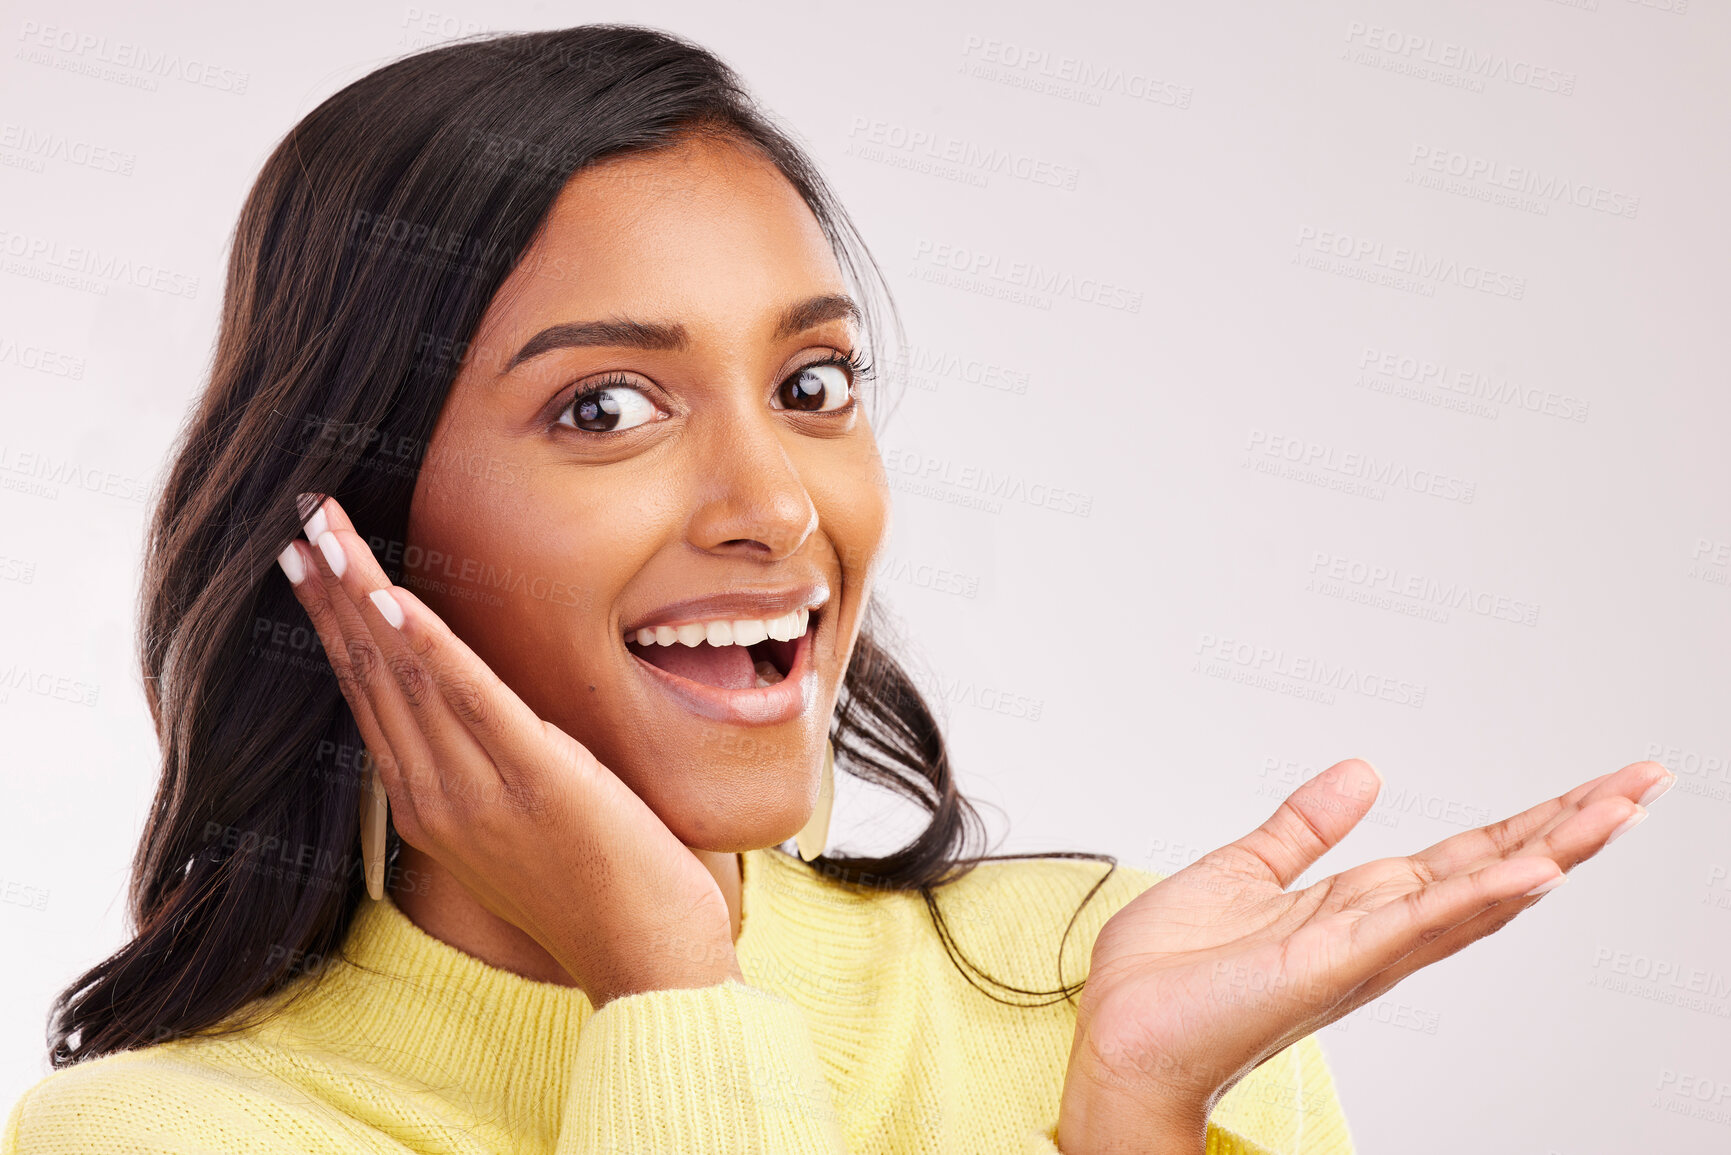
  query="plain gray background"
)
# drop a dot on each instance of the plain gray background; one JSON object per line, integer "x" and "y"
{"x": 1289, "y": 382}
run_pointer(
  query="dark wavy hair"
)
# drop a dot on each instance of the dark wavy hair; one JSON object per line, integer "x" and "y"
{"x": 367, "y": 251}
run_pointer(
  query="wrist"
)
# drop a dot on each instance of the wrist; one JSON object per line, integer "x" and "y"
{"x": 668, "y": 966}
{"x": 1120, "y": 1136}
{"x": 1102, "y": 1120}
{"x": 1114, "y": 1108}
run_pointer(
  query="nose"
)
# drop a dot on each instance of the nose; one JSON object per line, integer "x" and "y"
{"x": 751, "y": 499}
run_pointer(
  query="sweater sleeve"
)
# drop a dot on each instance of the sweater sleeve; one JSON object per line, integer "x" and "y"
{"x": 1285, "y": 1108}
{"x": 148, "y": 1103}
{"x": 718, "y": 1068}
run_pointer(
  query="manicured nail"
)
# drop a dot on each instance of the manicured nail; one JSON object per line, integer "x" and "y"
{"x": 388, "y": 606}
{"x": 316, "y": 522}
{"x": 1657, "y": 789}
{"x": 1629, "y": 824}
{"x": 1550, "y": 884}
{"x": 292, "y": 565}
{"x": 333, "y": 551}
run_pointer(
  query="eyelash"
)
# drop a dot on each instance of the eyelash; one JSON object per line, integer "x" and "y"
{"x": 858, "y": 365}
{"x": 859, "y": 368}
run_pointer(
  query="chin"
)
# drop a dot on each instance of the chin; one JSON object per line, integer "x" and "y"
{"x": 731, "y": 817}
{"x": 734, "y": 833}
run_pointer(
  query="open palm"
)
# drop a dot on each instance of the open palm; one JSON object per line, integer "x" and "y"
{"x": 1218, "y": 967}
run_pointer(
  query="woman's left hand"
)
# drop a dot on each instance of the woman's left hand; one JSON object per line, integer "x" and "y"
{"x": 1211, "y": 971}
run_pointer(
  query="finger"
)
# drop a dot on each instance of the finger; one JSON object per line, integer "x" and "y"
{"x": 1474, "y": 849}
{"x": 491, "y": 710}
{"x": 1402, "y": 925}
{"x": 406, "y": 693}
{"x": 312, "y": 588}
{"x": 413, "y": 775}
{"x": 1313, "y": 819}
{"x": 1581, "y": 837}
{"x": 512, "y": 735}
{"x": 475, "y": 723}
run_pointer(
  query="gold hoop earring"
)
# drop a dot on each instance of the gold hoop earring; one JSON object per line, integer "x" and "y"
{"x": 814, "y": 836}
{"x": 375, "y": 808}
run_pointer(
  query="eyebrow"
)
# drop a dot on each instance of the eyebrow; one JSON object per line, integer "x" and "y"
{"x": 628, "y": 334}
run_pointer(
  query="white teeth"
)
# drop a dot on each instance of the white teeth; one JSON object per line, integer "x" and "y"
{"x": 739, "y": 632}
{"x": 767, "y": 674}
{"x": 788, "y": 626}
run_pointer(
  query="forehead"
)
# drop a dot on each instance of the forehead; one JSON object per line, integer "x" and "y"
{"x": 709, "y": 234}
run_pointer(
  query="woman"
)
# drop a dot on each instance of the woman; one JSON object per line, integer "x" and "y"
{"x": 552, "y": 351}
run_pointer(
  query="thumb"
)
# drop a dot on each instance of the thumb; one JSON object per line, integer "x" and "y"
{"x": 1313, "y": 819}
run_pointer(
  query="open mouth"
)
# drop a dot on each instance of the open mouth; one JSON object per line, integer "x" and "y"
{"x": 728, "y": 655}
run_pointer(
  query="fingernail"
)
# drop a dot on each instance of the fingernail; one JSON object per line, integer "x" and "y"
{"x": 1657, "y": 789}
{"x": 388, "y": 606}
{"x": 333, "y": 551}
{"x": 1629, "y": 824}
{"x": 292, "y": 565}
{"x": 1549, "y": 884}
{"x": 315, "y": 522}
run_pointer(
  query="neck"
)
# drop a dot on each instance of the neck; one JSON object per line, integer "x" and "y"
{"x": 447, "y": 910}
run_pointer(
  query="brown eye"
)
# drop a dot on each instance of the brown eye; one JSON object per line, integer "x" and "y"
{"x": 815, "y": 388}
{"x": 608, "y": 410}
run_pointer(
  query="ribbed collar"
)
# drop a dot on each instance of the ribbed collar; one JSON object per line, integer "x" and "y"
{"x": 408, "y": 1008}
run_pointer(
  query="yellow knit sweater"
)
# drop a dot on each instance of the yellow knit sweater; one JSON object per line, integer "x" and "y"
{"x": 854, "y": 1032}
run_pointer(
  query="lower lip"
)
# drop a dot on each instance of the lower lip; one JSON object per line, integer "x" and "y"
{"x": 758, "y": 706}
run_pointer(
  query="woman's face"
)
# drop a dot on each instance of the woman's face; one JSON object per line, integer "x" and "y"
{"x": 724, "y": 473}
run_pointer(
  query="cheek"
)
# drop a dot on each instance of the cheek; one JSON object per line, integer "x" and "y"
{"x": 528, "y": 575}
{"x": 853, "y": 504}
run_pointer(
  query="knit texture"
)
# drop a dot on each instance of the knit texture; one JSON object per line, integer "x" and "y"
{"x": 853, "y": 1032}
